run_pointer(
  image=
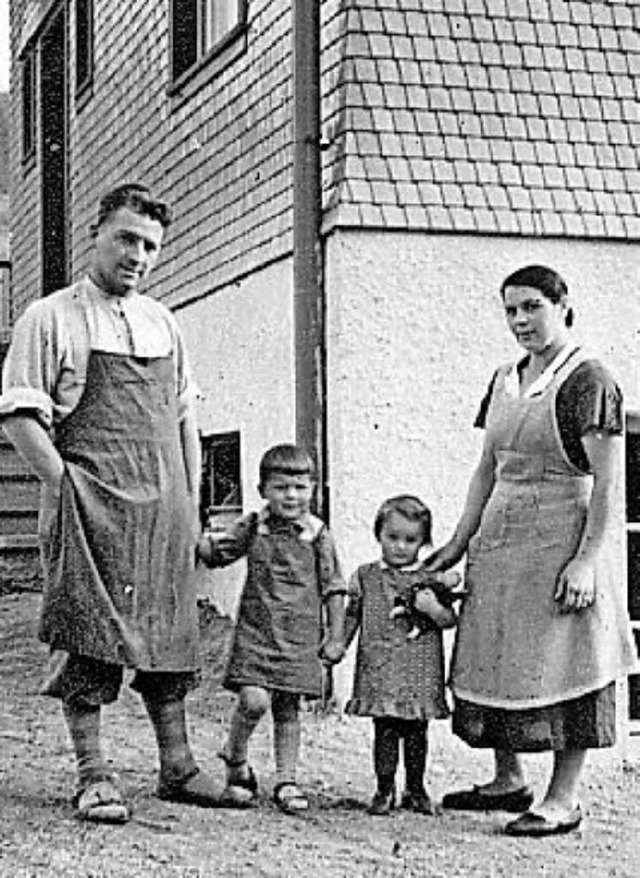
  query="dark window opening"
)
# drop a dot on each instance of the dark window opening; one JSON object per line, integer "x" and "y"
{"x": 200, "y": 28}
{"x": 84, "y": 45}
{"x": 29, "y": 105}
{"x": 221, "y": 487}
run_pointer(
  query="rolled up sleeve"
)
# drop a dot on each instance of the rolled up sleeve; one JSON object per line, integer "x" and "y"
{"x": 30, "y": 368}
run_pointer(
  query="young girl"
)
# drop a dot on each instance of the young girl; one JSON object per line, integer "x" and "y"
{"x": 292, "y": 577}
{"x": 399, "y": 681}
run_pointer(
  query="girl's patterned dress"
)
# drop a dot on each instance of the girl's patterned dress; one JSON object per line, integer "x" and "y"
{"x": 394, "y": 677}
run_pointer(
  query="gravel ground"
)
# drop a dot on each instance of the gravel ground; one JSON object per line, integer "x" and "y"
{"x": 39, "y": 835}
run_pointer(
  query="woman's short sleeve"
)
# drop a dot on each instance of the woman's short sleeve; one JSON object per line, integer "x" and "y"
{"x": 481, "y": 416}
{"x": 588, "y": 400}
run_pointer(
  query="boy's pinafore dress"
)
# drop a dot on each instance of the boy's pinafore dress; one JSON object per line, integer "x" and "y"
{"x": 394, "y": 677}
{"x": 279, "y": 624}
{"x": 514, "y": 648}
{"x": 118, "y": 555}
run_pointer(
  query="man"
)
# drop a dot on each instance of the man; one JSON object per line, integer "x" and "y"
{"x": 96, "y": 398}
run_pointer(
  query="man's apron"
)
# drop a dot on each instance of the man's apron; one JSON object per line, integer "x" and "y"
{"x": 514, "y": 648}
{"x": 119, "y": 554}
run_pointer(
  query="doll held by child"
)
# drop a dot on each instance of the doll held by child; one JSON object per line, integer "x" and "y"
{"x": 437, "y": 598}
{"x": 293, "y": 579}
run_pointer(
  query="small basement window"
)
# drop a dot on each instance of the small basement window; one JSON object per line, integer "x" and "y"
{"x": 221, "y": 488}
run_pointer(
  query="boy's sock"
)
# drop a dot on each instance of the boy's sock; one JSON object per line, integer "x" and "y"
{"x": 84, "y": 729}
{"x": 243, "y": 725}
{"x": 286, "y": 745}
{"x": 169, "y": 722}
{"x": 286, "y": 735}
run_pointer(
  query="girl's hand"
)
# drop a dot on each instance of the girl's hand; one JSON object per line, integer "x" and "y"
{"x": 576, "y": 588}
{"x": 332, "y": 651}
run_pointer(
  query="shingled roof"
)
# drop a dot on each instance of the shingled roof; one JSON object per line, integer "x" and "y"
{"x": 486, "y": 116}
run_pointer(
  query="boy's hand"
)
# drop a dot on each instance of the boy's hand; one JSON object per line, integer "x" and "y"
{"x": 332, "y": 651}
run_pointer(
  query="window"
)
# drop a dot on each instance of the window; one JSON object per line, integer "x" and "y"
{"x": 84, "y": 46}
{"x": 29, "y": 105}
{"x": 221, "y": 488}
{"x": 200, "y": 28}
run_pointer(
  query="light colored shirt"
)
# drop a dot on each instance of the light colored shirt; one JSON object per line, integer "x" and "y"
{"x": 45, "y": 369}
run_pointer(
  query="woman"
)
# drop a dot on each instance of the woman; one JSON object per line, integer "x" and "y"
{"x": 544, "y": 633}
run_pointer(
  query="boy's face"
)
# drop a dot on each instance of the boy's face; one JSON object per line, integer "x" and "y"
{"x": 400, "y": 540}
{"x": 288, "y": 496}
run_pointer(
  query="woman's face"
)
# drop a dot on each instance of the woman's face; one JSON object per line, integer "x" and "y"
{"x": 537, "y": 323}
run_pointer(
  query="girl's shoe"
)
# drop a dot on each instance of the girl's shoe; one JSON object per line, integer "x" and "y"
{"x": 382, "y": 803}
{"x": 289, "y": 798}
{"x": 418, "y": 801}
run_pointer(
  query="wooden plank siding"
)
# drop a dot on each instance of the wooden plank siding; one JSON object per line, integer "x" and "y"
{"x": 470, "y": 116}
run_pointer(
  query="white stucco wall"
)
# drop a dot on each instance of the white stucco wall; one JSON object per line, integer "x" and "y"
{"x": 415, "y": 331}
{"x": 240, "y": 344}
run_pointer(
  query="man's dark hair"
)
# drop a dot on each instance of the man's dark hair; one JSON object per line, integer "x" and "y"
{"x": 137, "y": 198}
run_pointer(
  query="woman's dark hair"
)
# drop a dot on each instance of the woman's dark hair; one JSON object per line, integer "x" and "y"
{"x": 409, "y": 507}
{"x": 138, "y": 199}
{"x": 548, "y": 281}
{"x": 288, "y": 460}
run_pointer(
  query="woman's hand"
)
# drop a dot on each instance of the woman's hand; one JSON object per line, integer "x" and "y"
{"x": 576, "y": 586}
{"x": 444, "y": 558}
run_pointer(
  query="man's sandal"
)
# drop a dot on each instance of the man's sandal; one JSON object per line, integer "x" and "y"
{"x": 289, "y": 798}
{"x": 100, "y": 801}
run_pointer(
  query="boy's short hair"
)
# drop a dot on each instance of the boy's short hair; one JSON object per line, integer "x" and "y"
{"x": 137, "y": 198}
{"x": 290, "y": 460}
{"x": 411, "y": 508}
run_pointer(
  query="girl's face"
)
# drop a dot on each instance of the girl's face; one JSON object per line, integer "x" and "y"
{"x": 400, "y": 540}
{"x": 537, "y": 323}
{"x": 288, "y": 496}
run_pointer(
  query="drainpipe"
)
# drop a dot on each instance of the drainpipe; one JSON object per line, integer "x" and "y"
{"x": 309, "y": 304}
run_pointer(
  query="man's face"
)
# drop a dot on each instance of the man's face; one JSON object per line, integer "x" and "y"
{"x": 127, "y": 246}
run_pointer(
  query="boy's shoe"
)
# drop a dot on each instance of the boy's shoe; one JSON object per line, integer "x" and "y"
{"x": 418, "y": 801}
{"x": 382, "y": 803}
{"x": 289, "y": 798}
{"x": 242, "y": 784}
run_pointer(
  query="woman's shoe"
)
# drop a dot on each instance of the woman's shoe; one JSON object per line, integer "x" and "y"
{"x": 537, "y": 825}
{"x": 382, "y": 803}
{"x": 475, "y": 800}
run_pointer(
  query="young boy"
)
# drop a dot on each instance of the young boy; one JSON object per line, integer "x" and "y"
{"x": 293, "y": 577}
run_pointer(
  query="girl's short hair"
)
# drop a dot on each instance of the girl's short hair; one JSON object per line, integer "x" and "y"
{"x": 546, "y": 280}
{"x": 411, "y": 508}
{"x": 289, "y": 460}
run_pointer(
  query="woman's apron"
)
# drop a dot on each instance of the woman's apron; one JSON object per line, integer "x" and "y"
{"x": 514, "y": 648}
{"x": 119, "y": 553}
